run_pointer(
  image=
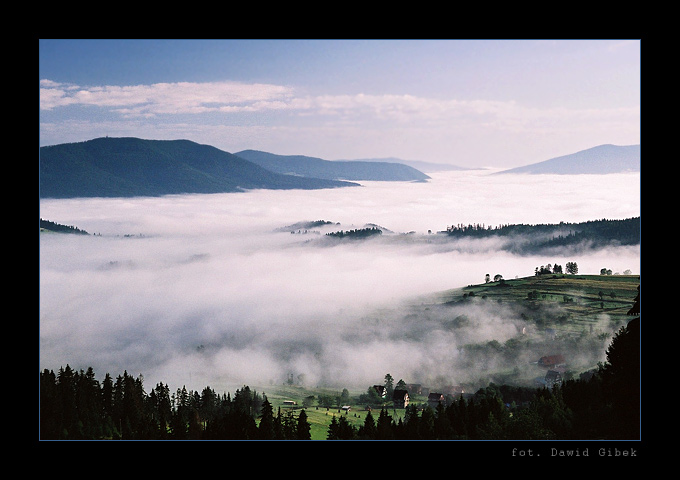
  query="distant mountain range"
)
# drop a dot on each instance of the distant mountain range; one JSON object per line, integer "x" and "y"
{"x": 425, "y": 167}
{"x": 124, "y": 167}
{"x": 599, "y": 160}
{"x": 352, "y": 170}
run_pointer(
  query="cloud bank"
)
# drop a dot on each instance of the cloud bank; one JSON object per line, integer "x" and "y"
{"x": 235, "y": 116}
{"x": 237, "y": 97}
{"x": 201, "y": 290}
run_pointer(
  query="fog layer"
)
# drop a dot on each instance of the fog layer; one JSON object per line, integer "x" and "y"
{"x": 210, "y": 290}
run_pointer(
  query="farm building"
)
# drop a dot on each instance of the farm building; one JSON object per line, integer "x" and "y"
{"x": 551, "y": 361}
{"x": 434, "y": 399}
{"x": 400, "y": 399}
{"x": 553, "y": 377}
{"x": 381, "y": 390}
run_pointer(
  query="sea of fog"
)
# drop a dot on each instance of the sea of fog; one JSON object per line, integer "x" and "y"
{"x": 211, "y": 290}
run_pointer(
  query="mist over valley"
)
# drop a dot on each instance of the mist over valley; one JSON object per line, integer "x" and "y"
{"x": 227, "y": 289}
{"x": 271, "y": 239}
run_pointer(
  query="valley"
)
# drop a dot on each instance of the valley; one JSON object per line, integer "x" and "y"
{"x": 552, "y": 327}
{"x": 302, "y": 239}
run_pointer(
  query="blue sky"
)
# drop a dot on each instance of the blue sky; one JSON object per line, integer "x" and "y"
{"x": 499, "y": 103}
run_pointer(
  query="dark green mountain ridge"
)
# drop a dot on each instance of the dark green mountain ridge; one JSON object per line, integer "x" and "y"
{"x": 125, "y": 167}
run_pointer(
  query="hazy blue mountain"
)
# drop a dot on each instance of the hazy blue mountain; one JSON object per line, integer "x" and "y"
{"x": 425, "y": 167}
{"x": 123, "y": 167}
{"x": 313, "y": 167}
{"x": 597, "y": 160}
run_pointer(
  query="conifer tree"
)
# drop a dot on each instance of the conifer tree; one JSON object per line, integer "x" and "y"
{"x": 411, "y": 421}
{"x": 621, "y": 380}
{"x": 50, "y": 411}
{"x": 346, "y": 431}
{"x": 266, "y": 427}
{"x": 303, "y": 427}
{"x": 107, "y": 396}
{"x": 67, "y": 400}
{"x": 88, "y": 404}
{"x": 384, "y": 429}
{"x": 278, "y": 426}
{"x": 442, "y": 425}
{"x": 369, "y": 430}
{"x": 289, "y": 426}
{"x": 332, "y": 432}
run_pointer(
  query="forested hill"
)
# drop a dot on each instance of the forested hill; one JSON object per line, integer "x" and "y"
{"x": 48, "y": 226}
{"x": 594, "y": 233}
{"x": 333, "y": 170}
{"x": 124, "y": 167}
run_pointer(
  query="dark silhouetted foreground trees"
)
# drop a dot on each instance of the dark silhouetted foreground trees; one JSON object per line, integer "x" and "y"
{"x": 75, "y": 406}
{"x": 604, "y": 405}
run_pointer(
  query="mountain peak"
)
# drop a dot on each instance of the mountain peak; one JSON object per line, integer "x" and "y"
{"x": 599, "y": 160}
{"x": 129, "y": 166}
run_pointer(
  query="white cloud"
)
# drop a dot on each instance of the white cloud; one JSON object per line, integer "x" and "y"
{"x": 165, "y": 98}
{"x": 280, "y": 119}
{"x": 232, "y": 97}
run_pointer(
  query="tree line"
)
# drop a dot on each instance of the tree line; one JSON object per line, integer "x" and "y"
{"x": 57, "y": 227}
{"x": 75, "y": 406}
{"x": 356, "y": 233}
{"x": 628, "y": 228}
{"x": 603, "y": 405}
{"x": 572, "y": 269}
{"x": 594, "y": 233}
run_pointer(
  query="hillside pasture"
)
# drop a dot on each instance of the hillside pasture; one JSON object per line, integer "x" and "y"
{"x": 565, "y": 312}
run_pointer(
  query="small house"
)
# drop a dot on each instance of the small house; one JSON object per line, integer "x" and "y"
{"x": 551, "y": 361}
{"x": 381, "y": 390}
{"x": 553, "y": 377}
{"x": 400, "y": 398}
{"x": 434, "y": 399}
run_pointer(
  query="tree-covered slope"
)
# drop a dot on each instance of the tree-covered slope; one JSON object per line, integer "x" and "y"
{"x": 122, "y": 167}
{"x": 49, "y": 226}
{"x": 542, "y": 237}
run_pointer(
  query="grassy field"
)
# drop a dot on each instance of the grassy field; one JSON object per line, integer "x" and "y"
{"x": 584, "y": 298}
{"x": 572, "y": 307}
{"x": 320, "y": 417}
